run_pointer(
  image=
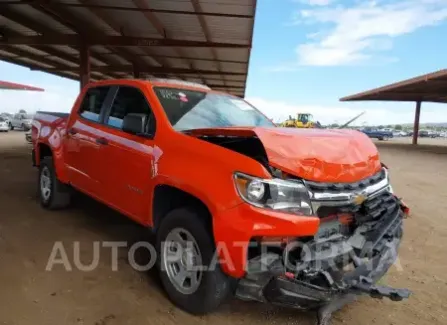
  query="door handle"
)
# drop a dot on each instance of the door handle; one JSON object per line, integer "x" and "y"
{"x": 102, "y": 141}
{"x": 72, "y": 131}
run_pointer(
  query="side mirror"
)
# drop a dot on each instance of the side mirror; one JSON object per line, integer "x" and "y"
{"x": 135, "y": 123}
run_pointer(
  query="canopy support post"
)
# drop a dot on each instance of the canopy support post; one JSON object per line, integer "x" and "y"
{"x": 84, "y": 65}
{"x": 417, "y": 115}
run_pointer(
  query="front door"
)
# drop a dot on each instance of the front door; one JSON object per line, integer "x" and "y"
{"x": 127, "y": 165}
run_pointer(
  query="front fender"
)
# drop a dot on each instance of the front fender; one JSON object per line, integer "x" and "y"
{"x": 205, "y": 171}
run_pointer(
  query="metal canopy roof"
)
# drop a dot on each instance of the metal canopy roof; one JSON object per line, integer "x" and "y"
{"x": 205, "y": 41}
{"x": 13, "y": 86}
{"x": 430, "y": 87}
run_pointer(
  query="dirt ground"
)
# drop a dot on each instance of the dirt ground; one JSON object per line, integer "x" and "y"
{"x": 29, "y": 295}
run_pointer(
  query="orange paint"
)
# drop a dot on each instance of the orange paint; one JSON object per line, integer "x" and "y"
{"x": 124, "y": 173}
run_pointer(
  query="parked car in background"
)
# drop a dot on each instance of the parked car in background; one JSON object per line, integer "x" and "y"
{"x": 7, "y": 117}
{"x": 4, "y": 124}
{"x": 427, "y": 134}
{"x": 377, "y": 134}
{"x": 21, "y": 121}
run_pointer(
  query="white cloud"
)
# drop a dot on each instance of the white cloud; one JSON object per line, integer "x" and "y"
{"x": 54, "y": 99}
{"x": 317, "y": 2}
{"x": 375, "y": 113}
{"x": 352, "y": 35}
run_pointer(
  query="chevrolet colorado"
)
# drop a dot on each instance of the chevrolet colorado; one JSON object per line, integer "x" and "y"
{"x": 304, "y": 218}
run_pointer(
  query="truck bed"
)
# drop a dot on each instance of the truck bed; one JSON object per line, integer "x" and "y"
{"x": 56, "y": 114}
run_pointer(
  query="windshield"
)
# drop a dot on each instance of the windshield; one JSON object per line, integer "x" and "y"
{"x": 2, "y": 119}
{"x": 190, "y": 109}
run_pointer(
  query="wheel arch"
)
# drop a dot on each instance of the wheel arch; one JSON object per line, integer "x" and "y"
{"x": 167, "y": 198}
{"x": 43, "y": 150}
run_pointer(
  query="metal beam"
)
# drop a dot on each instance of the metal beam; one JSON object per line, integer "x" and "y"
{"x": 129, "y": 56}
{"x": 120, "y": 41}
{"x": 19, "y": 53}
{"x": 66, "y": 18}
{"x": 217, "y": 86}
{"x": 42, "y": 29}
{"x": 158, "y": 70}
{"x": 158, "y": 25}
{"x": 185, "y": 58}
{"x": 35, "y": 67}
{"x": 24, "y": 54}
{"x": 254, "y": 4}
{"x": 120, "y": 8}
{"x": 198, "y": 8}
{"x": 417, "y": 115}
{"x": 84, "y": 66}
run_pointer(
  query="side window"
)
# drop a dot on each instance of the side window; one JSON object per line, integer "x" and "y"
{"x": 128, "y": 100}
{"x": 92, "y": 103}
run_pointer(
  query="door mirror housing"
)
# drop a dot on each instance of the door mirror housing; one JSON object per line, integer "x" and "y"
{"x": 136, "y": 124}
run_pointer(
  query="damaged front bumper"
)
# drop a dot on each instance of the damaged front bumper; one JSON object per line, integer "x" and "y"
{"x": 334, "y": 272}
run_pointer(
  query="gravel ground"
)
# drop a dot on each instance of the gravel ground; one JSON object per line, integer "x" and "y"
{"x": 31, "y": 295}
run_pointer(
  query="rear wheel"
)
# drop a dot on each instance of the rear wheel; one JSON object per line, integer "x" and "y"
{"x": 184, "y": 246}
{"x": 53, "y": 194}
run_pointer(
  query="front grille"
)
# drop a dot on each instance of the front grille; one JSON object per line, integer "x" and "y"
{"x": 318, "y": 187}
{"x": 379, "y": 203}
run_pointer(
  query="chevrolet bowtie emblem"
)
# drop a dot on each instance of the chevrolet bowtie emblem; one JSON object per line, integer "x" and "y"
{"x": 358, "y": 199}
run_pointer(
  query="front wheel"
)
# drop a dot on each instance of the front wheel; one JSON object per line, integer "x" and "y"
{"x": 185, "y": 246}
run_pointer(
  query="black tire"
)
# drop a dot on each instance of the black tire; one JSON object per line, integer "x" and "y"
{"x": 59, "y": 196}
{"x": 215, "y": 286}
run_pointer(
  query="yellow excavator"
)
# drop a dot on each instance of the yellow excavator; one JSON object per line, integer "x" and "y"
{"x": 302, "y": 120}
{"x": 306, "y": 121}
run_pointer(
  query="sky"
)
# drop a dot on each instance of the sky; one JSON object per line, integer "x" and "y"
{"x": 306, "y": 55}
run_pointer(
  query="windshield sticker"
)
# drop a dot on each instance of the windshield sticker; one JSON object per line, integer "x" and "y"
{"x": 169, "y": 94}
{"x": 241, "y": 105}
{"x": 182, "y": 97}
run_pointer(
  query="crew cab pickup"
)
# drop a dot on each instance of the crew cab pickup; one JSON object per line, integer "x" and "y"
{"x": 304, "y": 218}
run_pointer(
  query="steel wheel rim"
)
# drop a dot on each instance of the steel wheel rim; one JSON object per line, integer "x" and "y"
{"x": 182, "y": 261}
{"x": 45, "y": 183}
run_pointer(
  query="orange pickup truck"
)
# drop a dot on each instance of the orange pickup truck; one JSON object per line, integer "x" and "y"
{"x": 304, "y": 218}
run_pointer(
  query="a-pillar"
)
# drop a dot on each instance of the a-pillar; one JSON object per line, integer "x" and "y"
{"x": 417, "y": 115}
{"x": 84, "y": 67}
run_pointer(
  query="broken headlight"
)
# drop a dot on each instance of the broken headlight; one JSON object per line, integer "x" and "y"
{"x": 276, "y": 194}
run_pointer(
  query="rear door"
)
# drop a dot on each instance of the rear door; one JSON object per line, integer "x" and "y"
{"x": 82, "y": 146}
{"x": 127, "y": 160}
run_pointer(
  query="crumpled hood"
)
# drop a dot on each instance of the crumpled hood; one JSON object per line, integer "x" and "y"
{"x": 314, "y": 154}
